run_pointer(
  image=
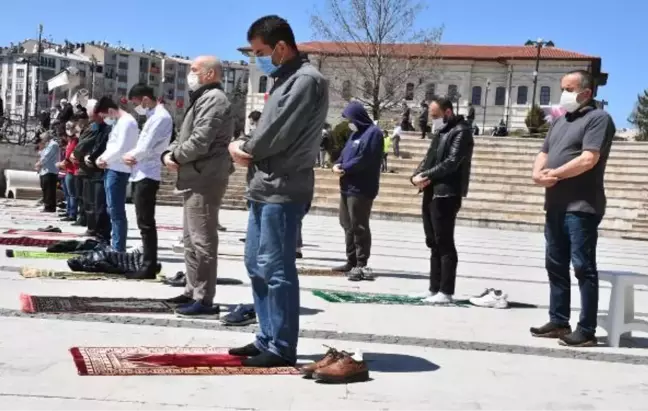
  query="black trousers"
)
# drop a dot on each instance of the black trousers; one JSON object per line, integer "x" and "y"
{"x": 354, "y": 219}
{"x": 78, "y": 185}
{"x": 144, "y": 196}
{"x": 48, "y": 186}
{"x": 439, "y": 218}
{"x": 88, "y": 204}
{"x": 96, "y": 209}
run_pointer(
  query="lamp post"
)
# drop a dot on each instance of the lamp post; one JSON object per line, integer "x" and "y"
{"x": 604, "y": 103}
{"x": 538, "y": 44}
{"x": 29, "y": 61}
{"x": 38, "y": 56}
{"x": 488, "y": 84}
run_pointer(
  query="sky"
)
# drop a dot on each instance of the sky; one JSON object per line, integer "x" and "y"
{"x": 611, "y": 30}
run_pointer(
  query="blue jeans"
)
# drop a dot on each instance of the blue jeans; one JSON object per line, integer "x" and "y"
{"x": 572, "y": 237}
{"x": 70, "y": 195}
{"x": 270, "y": 262}
{"x": 115, "y": 183}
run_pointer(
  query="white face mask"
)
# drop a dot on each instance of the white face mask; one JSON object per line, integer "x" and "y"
{"x": 141, "y": 110}
{"x": 109, "y": 121}
{"x": 353, "y": 127}
{"x": 569, "y": 101}
{"x": 438, "y": 124}
{"x": 193, "y": 81}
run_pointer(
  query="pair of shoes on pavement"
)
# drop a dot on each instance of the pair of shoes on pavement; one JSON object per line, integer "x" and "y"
{"x": 565, "y": 335}
{"x": 259, "y": 359}
{"x": 337, "y": 367}
{"x": 429, "y": 297}
{"x": 241, "y": 316}
{"x": 187, "y": 307}
{"x": 490, "y": 298}
{"x": 50, "y": 229}
{"x": 355, "y": 273}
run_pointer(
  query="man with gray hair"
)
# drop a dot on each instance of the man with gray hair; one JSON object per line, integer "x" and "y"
{"x": 571, "y": 167}
{"x": 201, "y": 158}
{"x": 46, "y": 166}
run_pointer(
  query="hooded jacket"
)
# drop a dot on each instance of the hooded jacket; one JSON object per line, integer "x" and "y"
{"x": 361, "y": 157}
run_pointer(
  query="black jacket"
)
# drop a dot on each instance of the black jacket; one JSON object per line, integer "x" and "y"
{"x": 111, "y": 262}
{"x": 92, "y": 142}
{"x": 447, "y": 162}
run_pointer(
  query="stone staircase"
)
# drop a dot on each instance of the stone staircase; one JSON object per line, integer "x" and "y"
{"x": 501, "y": 194}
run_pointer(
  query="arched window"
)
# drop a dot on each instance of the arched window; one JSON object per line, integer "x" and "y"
{"x": 453, "y": 90}
{"x": 522, "y": 96}
{"x": 368, "y": 90}
{"x": 475, "y": 99}
{"x": 263, "y": 84}
{"x": 346, "y": 90}
{"x": 430, "y": 92}
{"x": 545, "y": 95}
{"x": 500, "y": 96}
{"x": 409, "y": 91}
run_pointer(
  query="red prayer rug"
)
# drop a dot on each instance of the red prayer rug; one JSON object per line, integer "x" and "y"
{"x": 73, "y": 304}
{"x": 28, "y": 241}
{"x": 125, "y": 361}
{"x": 17, "y": 231}
{"x": 169, "y": 227}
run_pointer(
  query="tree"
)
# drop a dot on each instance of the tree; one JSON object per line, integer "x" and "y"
{"x": 535, "y": 120}
{"x": 639, "y": 116}
{"x": 384, "y": 56}
{"x": 238, "y": 98}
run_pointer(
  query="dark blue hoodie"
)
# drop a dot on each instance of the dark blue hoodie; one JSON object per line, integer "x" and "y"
{"x": 362, "y": 155}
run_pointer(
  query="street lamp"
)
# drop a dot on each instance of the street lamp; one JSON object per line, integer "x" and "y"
{"x": 488, "y": 84}
{"x": 29, "y": 61}
{"x": 538, "y": 44}
{"x": 603, "y": 104}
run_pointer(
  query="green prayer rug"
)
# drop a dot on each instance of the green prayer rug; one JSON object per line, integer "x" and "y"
{"x": 350, "y": 297}
{"x": 39, "y": 255}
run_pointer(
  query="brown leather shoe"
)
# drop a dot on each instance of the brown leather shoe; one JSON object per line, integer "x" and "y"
{"x": 331, "y": 356}
{"x": 343, "y": 371}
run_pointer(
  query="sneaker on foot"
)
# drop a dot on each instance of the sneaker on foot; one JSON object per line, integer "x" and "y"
{"x": 439, "y": 298}
{"x": 355, "y": 274}
{"x": 266, "y": 360}
{"x": 367, "y": 274}
{"x": 343, "y": 268}
{"x": 181, "y": 299}
{"x": 490, "y": 299}
{"x": 422, "y": 296}
{"x": 198, "y": 310}
{"x": 249, "y": 350}
{"x": 241, "y": 316}
{"x": 550, "y": 330}
{"x": 578, "y": 339}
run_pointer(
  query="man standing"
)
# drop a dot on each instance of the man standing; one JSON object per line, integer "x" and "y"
{"x": 48, "y": 171}
{"x": 200, "y": 156}
{"x": 359, "y": 167}
{"x": 471, "y": 114}
{"x": 122, "y": 139}
{"x": 571, "y": 166}
{"x": 280, "y": 157}
{"x": 423, "y": 119}
{"x": 443, "y": 176}
{"x": 147, "y": 171}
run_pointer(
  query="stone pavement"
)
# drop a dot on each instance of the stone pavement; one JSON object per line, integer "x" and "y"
{"x": 421, "y": 357}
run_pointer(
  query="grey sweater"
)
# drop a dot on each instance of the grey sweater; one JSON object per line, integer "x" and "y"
{"x": 287, "y": 139}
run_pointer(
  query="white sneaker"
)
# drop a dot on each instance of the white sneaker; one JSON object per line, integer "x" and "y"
{"x": 438, "y": 298}
{"x": 490, "y": 299}
{"x": 368, "y": 274}
{"x": 179, "y": 248}
{"x": 422, "y": 296}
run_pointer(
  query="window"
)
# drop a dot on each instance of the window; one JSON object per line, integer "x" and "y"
{"x": 99, "y": 69}
{"x": 500, "y": 96}
{"x": 152, "y": 79}
{"x": 263, "y": 84}
{"x": 389, "y": 89}
{"x": 122, "y": 65}
{"x": 20, "y": 86}
{"x": 122, "y": 92}
{"x": 346, "y": 90}
{"x": 20, "y": 73}
{"x": 19, "y": 99}
{"x": 65, "y": 64}
{"x": 368, "y": 90}
{"x": 122, "y": 79}
{"x": 476, "y": 96}
{"x": 430, "y": 91}
{"x": 409, "y": 91}
{"x": 523, "y": 91}
{"x": 545, "y": 95}
{"x": 82, "y": 73}
{"x": 452, "y": 91}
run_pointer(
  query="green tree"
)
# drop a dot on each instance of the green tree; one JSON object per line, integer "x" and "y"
{"x": 535, "y": 120}
{"x": 639, "y": 116}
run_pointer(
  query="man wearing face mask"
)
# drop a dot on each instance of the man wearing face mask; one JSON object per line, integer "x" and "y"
{"x": 254, "y": 120}
{"x": 359, "y": 168}
{"x": 443, "y": 176}
{"x": 280, "y": 157}
{"x": 122, "y": 139}
{"x": 203, "y": 164}
{"x": 571, "y": 167}
{"x": 147, "y": 171}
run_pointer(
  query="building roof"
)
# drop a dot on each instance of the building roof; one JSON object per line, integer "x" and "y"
{"x": 445, "y": 51}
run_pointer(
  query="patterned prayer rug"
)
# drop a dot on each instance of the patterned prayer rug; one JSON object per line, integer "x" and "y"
{"x": 39, "y": 255}
{"x": 133, "y": 361}
{"x": 27, "y": 241}
{"x": 73, "y": 304}
{"x": 17, "y": 231}
{"x": 369, "y": 298}
{"x": 31, "y": 272}
{"x": 318, "y": 272}
{"x": 169, "y": 227}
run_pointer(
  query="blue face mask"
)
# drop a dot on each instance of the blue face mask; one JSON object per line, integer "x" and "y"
{"x": 110, "y": 121}
{"x": 266, "y": 65}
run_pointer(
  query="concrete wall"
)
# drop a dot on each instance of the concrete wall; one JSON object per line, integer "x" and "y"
{"x": 15, "y": 157}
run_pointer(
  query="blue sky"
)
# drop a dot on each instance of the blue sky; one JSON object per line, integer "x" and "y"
{"x": 611, "y": 30}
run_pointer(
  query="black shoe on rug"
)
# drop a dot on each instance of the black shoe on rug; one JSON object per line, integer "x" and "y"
{"x": 249, "y": 350}
{"x": 299, "y": 255}
{"x": 550, "y": 330}
{"x": 50, "y": 229}
{"x": 198, "y": 310}
{"x": 178, "y": 280}
{"x": 241, "y": 316}
{"x": 343, "y": 268}
{"x": 242, "y": 240}
{"x": 266, "y": 360}
{"x": 179, "y": 300}
{"x": 88, "y": 233}
{"x": 221, "y": 228}
{"x": 578, "y": 339}
{"x": 68, "y": 219}
{"x": 142, "y": 275}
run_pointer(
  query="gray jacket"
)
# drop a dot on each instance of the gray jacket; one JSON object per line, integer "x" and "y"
{"x": 201, "y": 148}
{"x": 288, "y": 136}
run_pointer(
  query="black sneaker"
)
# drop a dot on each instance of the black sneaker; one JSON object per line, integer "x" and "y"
{"x": 299, "y": 255}
{"x": 68, "y": 219}
{"x": 221, "y": 228}
{"x": 198, "y": 310}
{"x": 578, "y": 339}
{"x": 266, "y": 360}
{"x": 343, "y": 268}
{"x": 550, "y": 330}
{"x": 249, "y": 350}
{"x": 355, "y": 274}
{"x": 241, "y": 316}
{"x": 179, "y": 300}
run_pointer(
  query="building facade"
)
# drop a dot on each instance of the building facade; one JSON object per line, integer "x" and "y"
{"x": 497, "y": 80}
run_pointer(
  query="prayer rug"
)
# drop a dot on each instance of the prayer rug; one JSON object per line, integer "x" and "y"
{"x": 39, "y": 255}
{"x": 133, "y": 361}
{"x": 73, "y": 304}
{"x": 31, "y": 272}
{"x": 369, "y": 298}
{"x": 169, "y": 227}
{"x": 318, "y": 272}
{"x": 27, "y": 241}
{"x": 17, "y": 231}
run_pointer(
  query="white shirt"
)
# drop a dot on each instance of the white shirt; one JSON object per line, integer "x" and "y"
{"x": 397, "y": 131}
{"x": 122, "y": 139}
{"x": 153, "y": 141}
